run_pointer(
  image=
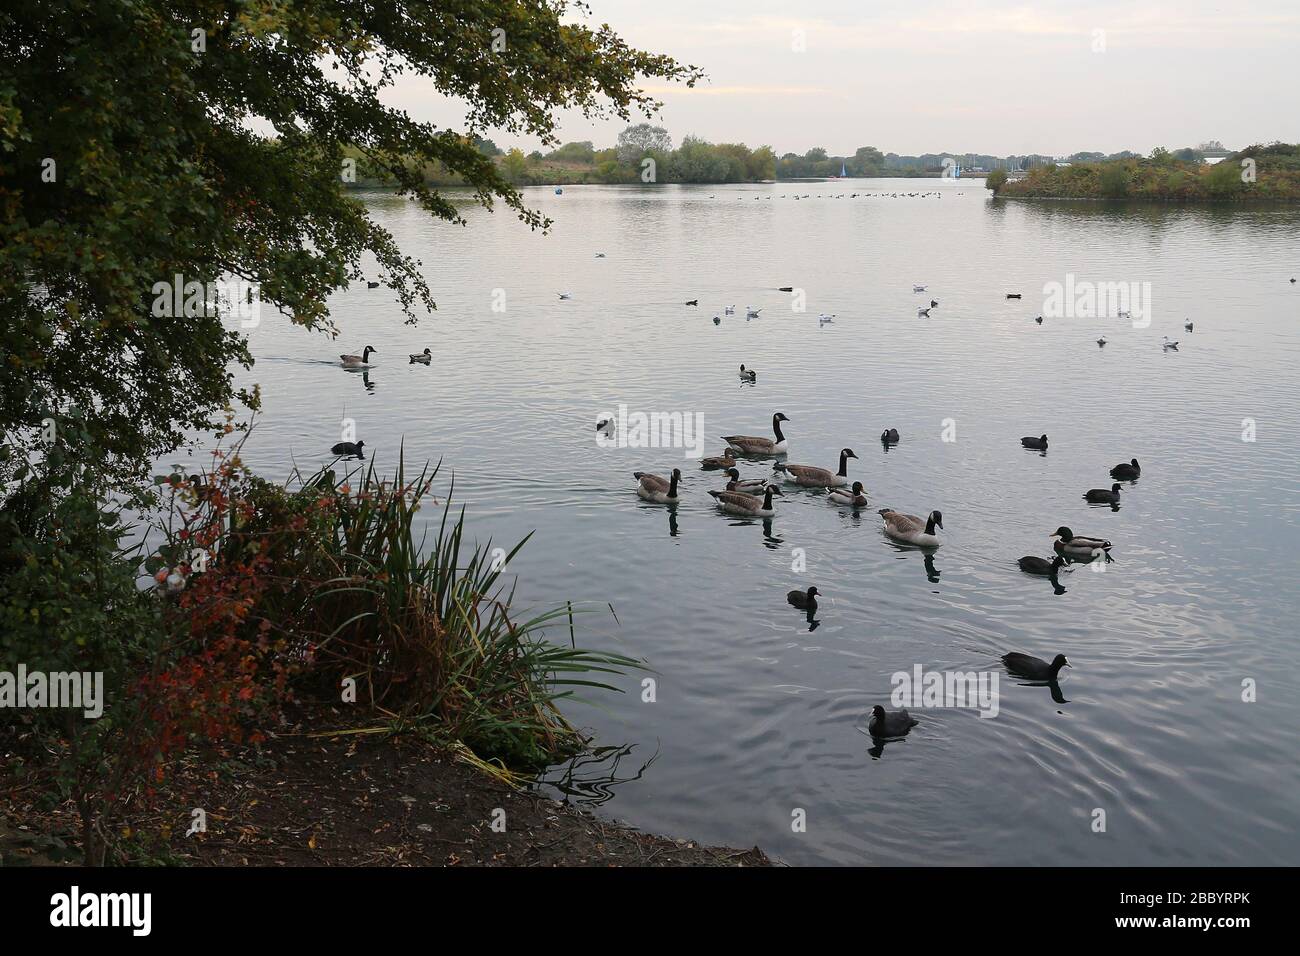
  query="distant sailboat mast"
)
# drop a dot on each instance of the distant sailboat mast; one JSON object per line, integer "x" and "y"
{"x": 843, "y": 172}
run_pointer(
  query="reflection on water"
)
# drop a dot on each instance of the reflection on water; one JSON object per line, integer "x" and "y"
{"x": 755, "y": 713}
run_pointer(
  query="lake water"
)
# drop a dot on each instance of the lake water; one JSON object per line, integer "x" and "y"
{"x": 755, "y": 715}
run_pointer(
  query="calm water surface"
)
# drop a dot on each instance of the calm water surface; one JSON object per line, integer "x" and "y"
{"x": 757, "y": 715}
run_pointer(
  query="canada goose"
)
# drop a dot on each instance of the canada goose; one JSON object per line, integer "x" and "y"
{"x": 857, "y": 498}
{"x": 1013, "y": 295}
{"x": 748, "y": 374}
{"x": 1039, "y": 443}
{"x": 349, "y": 449}
{"x": 1039, "y": 320}
{"x": 884, "y": 724}
{"x": 358, "y": 361}
{"x": 751, "y": 486}
{"x": 889, "y": 436}
{"x": 692, "y": 301}
{"x": 424, "y": 356}
{"x": 655, "y": 489}
{"x": 1031, "y": 564}
{"x": 1033, "y": 667}
{"x": 1169, "y": 346}
{"x": 803, "y": 600}
{"x": 749, "y": 506}
{"x": 912, "y": 530}
{"x": 1187, "y": 325}
{"x": 725, "y": 460}
{"x": 1074, "y": 547}
{"x": 810, "y": 476}
{"x": 1102, "y": 340}
{"x": 1101, "y": 496}
{"x": 372, "y": 285}
{"x": 749, "y": 445}
{"x": 1127, "y": 471}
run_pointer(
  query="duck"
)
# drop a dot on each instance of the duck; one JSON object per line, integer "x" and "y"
{"x": 889, "y": 436}
{"x": 424, "y": 356}
{"x": 372, "y": 285}
{"x": 692, "y": 302}
{"x": 1033, "y": 667}
{"x": 655, "y": 489}
{"x": 934, "y": 303}
{"x": 749, "y": 445}
{"x": 748, "y": 374}
{"x": 1187, "y": 325}
{"x": 918, "y": 288}
{"x": 1074, "y": 547}
{"x": 1039, "y": 320}
{"x": 924, "y": 313}
{"x": 912, "y": 530}
{"x": 749, "y": 506}
{"x": 1127, "y": 471}
{"x": 359, "y": 361}
{"x": 857, "y": 498}
{"x": 1169, "y": 346}
{"x": 725, "y": 460}
{"x": 810, "y": 476}
{"x": 600, "y": 255}
{"x": 1013, "y": 295}
{"x": 730, "y": 310}
{"x": 785, "y": 288}
{"x": 1100, "y": 496}
{"x": 882, "y": 723}
{"x": 350, "y": 449}
{"x": 717, "y": 320}
{"x": 752, "y": 486}
{"x": 1101, "y": 341}
{"x": 803, "y": 600}
{"x": 565, "y": 295}
{"x": 751, "y": 312}
{"x": 1039, "y": 443}
{"x": 1032, "y": 564}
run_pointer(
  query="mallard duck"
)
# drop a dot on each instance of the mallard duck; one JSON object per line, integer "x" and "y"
{"x": 350, "y": 449}
{"x": 358, "y": 361}
{"x": 1127, "y": 471}
{"x": 884, "y": 724}
{"x": 803, "y": 600}
{"x": 1033, "y": 667}
{"x": 1039, "y": 443}
{"x": 655, "y": 489}
{"x": 1032, "y": 564}
{"x": 749, "y": 445}
{"x": 749, "y": 506}
{"x": 857, "y": 498}
{"x": 725, "y": 460}
{"x": 889, "y": 436}
{"x": 748, "y": 374}
{"x": 1074, "y": 547}
{"x": 912, "y": 530}
{"x": 424, "y": 356}
{"x": 749, "y": 485}
{"x": 810, "y": 476}
{"x": 1100, "y": 496}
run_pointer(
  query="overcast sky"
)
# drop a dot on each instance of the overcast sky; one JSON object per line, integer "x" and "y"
{"x": 981, "y": 76}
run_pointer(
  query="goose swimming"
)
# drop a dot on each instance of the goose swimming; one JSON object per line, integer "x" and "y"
{"x": 912, "y": 530}
{"x": 751, "y": 486}
{"x": 1074, "y": 547}
{"x": 748, "y": 374}
{"x": 1031, "y": 564}
{"x": 749, "y": 445}
{"x": 424, "y": 356}
{"x": 1127, "y": 471}
{"x": 350, "y": 449}
{"x": 655, "y": 489}
{"x": 358, "y": 361}
{"x": 725, "y": 460}
{"x": 1039, "y": 443}
{"x": 856, "y": 498}
{"x": 1100, "y": 496}
{"x": 810, "y": 476}
{"x": 884, "y": 724}
{"x": 746, "y": 505}
{"x": 803, "y": 600}
{"x": 1034, "y": 668}
{"x": 889, "y": 436}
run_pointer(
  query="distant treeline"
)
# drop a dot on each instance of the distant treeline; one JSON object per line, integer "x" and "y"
{"x": 1257, "y": 172}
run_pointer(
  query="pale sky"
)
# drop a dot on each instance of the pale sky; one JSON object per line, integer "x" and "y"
{"x": 981, "y": 76}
